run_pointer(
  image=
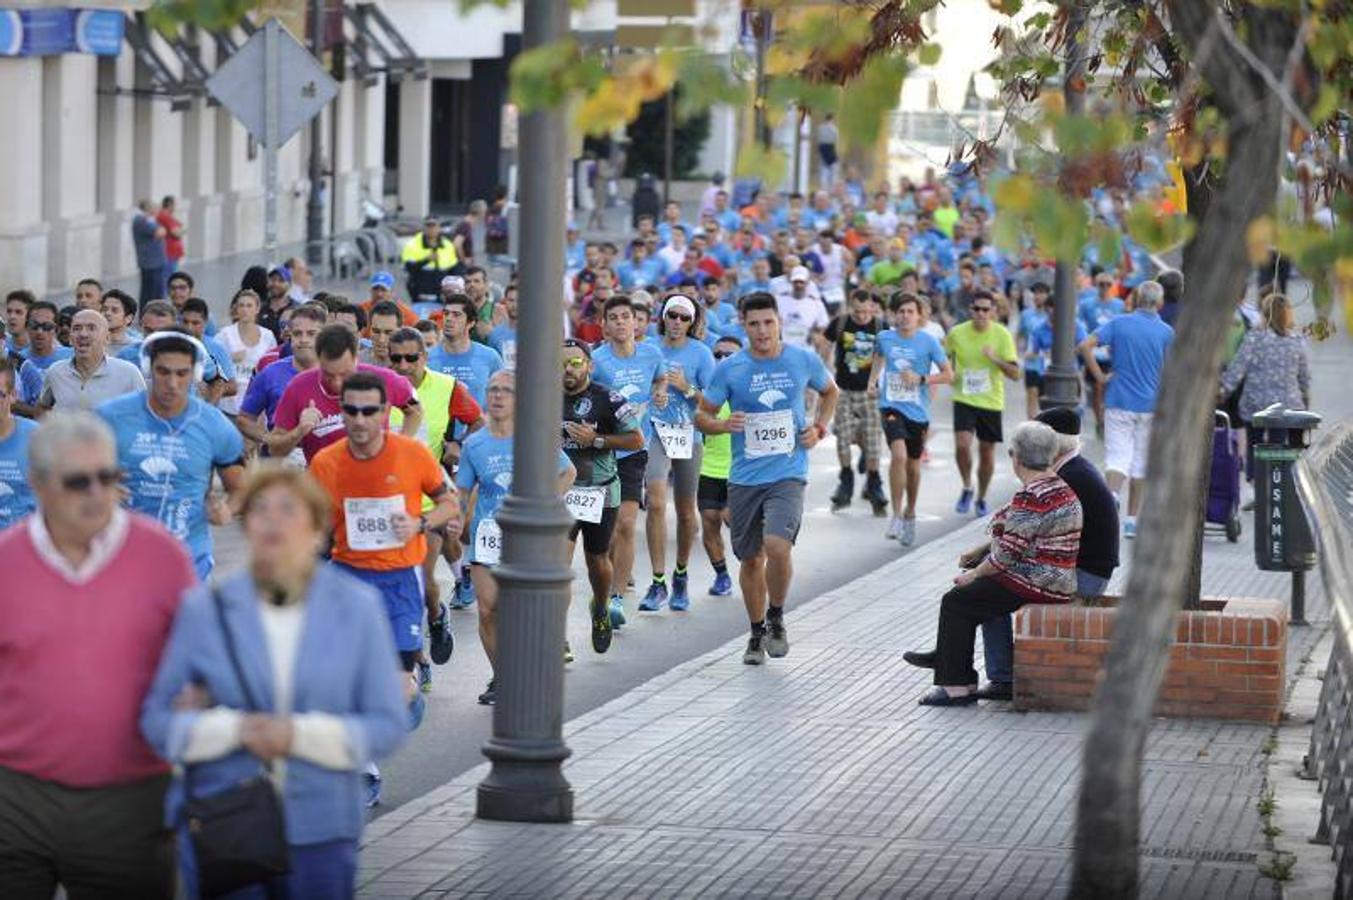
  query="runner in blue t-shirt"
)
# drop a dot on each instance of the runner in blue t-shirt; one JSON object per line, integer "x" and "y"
{"x": 41, "y": 352}
{"x": 637, "y": 372}
{"x": 765, "y": 386}
{"x": 1030, "y": 320}
{"x": 170, "y": 443}
{"x": 904, "y": 358}
{"x": 674, "y": 449}
{"x": 1094, "y": 311}
{"x": 16, "y": 498}
{"x": 472, "y": 363}
{"x": 485, "y": 479}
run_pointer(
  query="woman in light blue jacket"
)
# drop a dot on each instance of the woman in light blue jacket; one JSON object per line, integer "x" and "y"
{"x": 315, "y": 651}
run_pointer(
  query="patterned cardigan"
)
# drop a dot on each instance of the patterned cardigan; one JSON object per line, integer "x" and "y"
{"x": 1035, "y": 539}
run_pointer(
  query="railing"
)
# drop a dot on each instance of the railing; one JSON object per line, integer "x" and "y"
{"x": 1325, "y": 481}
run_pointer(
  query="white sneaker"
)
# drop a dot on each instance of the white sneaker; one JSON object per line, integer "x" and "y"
{"x": 894, "y": 531}
{"x": 1129, "y": 528}
{"x": 908, "y": 535}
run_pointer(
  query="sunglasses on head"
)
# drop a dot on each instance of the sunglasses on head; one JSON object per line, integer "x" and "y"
{"x": 42, "y": 326}
{"x": 79, "y": 482}
{"x": 355, "y": 411}
{"x": 405, "y": 357}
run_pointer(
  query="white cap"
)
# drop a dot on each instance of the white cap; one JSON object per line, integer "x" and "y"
{"x": 455, "y": 282}
{"x": 642, "y": 298}
{"x": 799, "y": 273}
{"x": 680, "y": 302}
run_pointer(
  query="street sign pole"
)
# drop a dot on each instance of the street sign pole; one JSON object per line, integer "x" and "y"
{"x": 270, "y": 129}
{"x": 527, "y": 749}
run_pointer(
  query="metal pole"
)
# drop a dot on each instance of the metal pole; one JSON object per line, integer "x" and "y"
{"x": 271, "y": 68}
{"x": 1061, "y": 377}
{"x": 1299, "y": 597}
{"x": 314, "y": 208}
{"x": 526, "y": 782}
{"x": 763, "y": 26}
{"x": 668, "y": 137}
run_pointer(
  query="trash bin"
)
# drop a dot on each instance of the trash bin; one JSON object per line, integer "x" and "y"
{"x": 1282, "y": 536}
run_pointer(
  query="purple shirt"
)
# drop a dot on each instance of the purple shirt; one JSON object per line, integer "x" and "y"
{"x": 265, "y": 389}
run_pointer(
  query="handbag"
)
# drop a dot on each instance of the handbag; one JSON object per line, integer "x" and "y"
{"x": 238, "y": 835}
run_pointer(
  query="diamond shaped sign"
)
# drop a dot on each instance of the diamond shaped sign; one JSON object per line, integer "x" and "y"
{"x": 299, "y": 83}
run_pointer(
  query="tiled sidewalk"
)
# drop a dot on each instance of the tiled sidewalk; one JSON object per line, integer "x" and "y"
{"x": 818, "y": 775}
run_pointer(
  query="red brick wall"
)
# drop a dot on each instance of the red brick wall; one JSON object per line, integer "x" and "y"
{"x": 1226, "y": 663}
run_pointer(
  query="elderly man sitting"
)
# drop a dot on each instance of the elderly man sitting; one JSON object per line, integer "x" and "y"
{"x": 1031, "y": 559}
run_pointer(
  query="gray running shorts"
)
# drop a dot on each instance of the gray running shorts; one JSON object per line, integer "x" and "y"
{"x": 758, "y": 510}
{"x": 685, "y": 472}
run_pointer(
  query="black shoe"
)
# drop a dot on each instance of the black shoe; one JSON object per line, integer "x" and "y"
{"x": 861, "y": 465}
{"x": 996, "y": 690}
{"x": 490, "y": 695}
{"x": 443, "y": 641}
{"x": 873, "y": 492}
{"x": 601, "y": 626}
{"x": 755, "y": 654}
{"x": 921, "y": 659}
{"x": 777, "y": 641}
{"x": 938, "y": 696}
{"x": 846, "y": 487}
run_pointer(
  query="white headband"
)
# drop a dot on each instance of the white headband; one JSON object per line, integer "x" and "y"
{"x": 677, "y": 301}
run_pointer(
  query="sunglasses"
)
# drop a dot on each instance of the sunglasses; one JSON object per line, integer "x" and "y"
{"x": 80, "y": 482}
{"x": 982, "y": 309}
{"x": 42, "y": 326}
{"x": 405, "y": 357}
{"x": 575, "y": 362}
{"x": 356, "y": 412}
{"x": 722, "y": 355}
{"x": 676, "y": 317}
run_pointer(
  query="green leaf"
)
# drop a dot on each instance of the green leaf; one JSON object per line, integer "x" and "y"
{"x": 929, "y": 54}
{"x": 867, "y": 99}
{"x": 755, "y": 161}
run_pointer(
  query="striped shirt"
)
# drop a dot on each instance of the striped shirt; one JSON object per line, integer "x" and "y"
{"x": 1035, "y": 539}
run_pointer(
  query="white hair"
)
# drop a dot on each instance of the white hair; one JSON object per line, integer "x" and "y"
{"x": 1068, "y": 443}
{"x": 1034, "y": 445}
{"x": 61, "y": 430}
{"x": 1150, "y": 294}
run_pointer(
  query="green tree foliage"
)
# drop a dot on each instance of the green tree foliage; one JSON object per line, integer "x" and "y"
{"x": 645, "y": 152}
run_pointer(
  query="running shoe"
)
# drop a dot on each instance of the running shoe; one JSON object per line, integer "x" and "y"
{"x": 568, "y": 653}
{"x": 908, "y": 535}
{"x": 417, "y": 707}
{"x": 681, "y": 595}
{"x": 617, "y": 610}
{"x": 964, "y": 502}
{"x": 1129, "y": 528}
{"x": 490, "y": 695}
{"x": 723, "y": 585}
{"x": 442, "y": 642}
{"x": 465, "y": 595}
{"x": 601, "y": 627}
{"x": 894, "y": 531}
{"x": 654, "y": 599}
{"x": 423, "y": 672}
{"x": 372, "y": 780}
{"x": 777, "y": 641}
{"x": 979, "y": 510}
{"x": 755, "y": 654}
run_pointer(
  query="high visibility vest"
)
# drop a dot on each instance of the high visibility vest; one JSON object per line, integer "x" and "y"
{"x": 416, "y": 251}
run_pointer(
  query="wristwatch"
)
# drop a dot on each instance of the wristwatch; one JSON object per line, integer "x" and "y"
{"x": 923, "y": 379}
{"x": 821, "y": 430}
{"x": 599, "y": 442}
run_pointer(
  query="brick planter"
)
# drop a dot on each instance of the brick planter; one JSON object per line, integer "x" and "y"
{"x": 1228, "y": 660}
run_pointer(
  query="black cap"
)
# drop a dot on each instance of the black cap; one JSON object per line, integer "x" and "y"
{"x": 1062, "y": 420}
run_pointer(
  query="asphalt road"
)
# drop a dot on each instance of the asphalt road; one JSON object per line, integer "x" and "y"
{"x": 833, "y": 548}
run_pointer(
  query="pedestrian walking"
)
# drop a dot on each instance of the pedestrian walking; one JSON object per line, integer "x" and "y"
{"x": 826, "y": 152}
{"x": 284, "y": 670}
{"x": 173, "y": 233}
{"x": 81, "y": 792}
{"x": 1138, "y": 342}
{"x": 765, "y": 387}
{"x": 148, "y": 236}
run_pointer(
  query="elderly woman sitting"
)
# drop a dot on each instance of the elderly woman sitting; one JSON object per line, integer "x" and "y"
{"x": 1031, "y": 559}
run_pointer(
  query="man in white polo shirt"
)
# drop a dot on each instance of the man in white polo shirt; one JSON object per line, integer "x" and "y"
{"x": 90, "y": 376}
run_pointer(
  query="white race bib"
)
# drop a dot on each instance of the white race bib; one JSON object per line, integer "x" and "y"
{"x": 488, "y": 543}
{"x": 769, "y": 434}
{"x": 510, "y": 354}
{"x": 677, "y": 438}
{"x": 796, "y": 332}
{"x": 369, "y": 522}
{"x": 586, "y": 504}
{"x": 976, "y": 381}
{"x": 900, "y": 392}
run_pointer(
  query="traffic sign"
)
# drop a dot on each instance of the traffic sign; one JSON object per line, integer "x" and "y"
{"x": 299, "y": 85}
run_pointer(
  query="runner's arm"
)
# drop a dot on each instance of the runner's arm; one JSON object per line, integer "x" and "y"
{"x": 944, "y": 376}
{"x": 875, "y": 370}
{"x": 413, "y": 417}
{"x": 446, "y": 508}
{"x": 252, "y": 427}
{"x": 1087, "y": 352}
{"x": 566, "y": 478}
{"x": 826, "y": 407}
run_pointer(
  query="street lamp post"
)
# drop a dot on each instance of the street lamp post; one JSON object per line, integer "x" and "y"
{"x": 1061, "y": 376}
{"x": 526, "y": 782}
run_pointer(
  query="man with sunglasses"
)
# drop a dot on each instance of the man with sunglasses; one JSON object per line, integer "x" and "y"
{"x": 484, "y": 480}
{"x": 637, "y": 372}
{"x": 982, "y": 352}
{"x": 445, "y": 401}
{"x": 81, "y": 793}
{"x": 16, "y": 499}
{"x": 170, "y": 444}
{"x": 675, "y": 450}
{"x": 766, "y": 386}
{"x": 376, "y": 482}
{"x": 597, "y": 422}
{"x": 42, "y": 352}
